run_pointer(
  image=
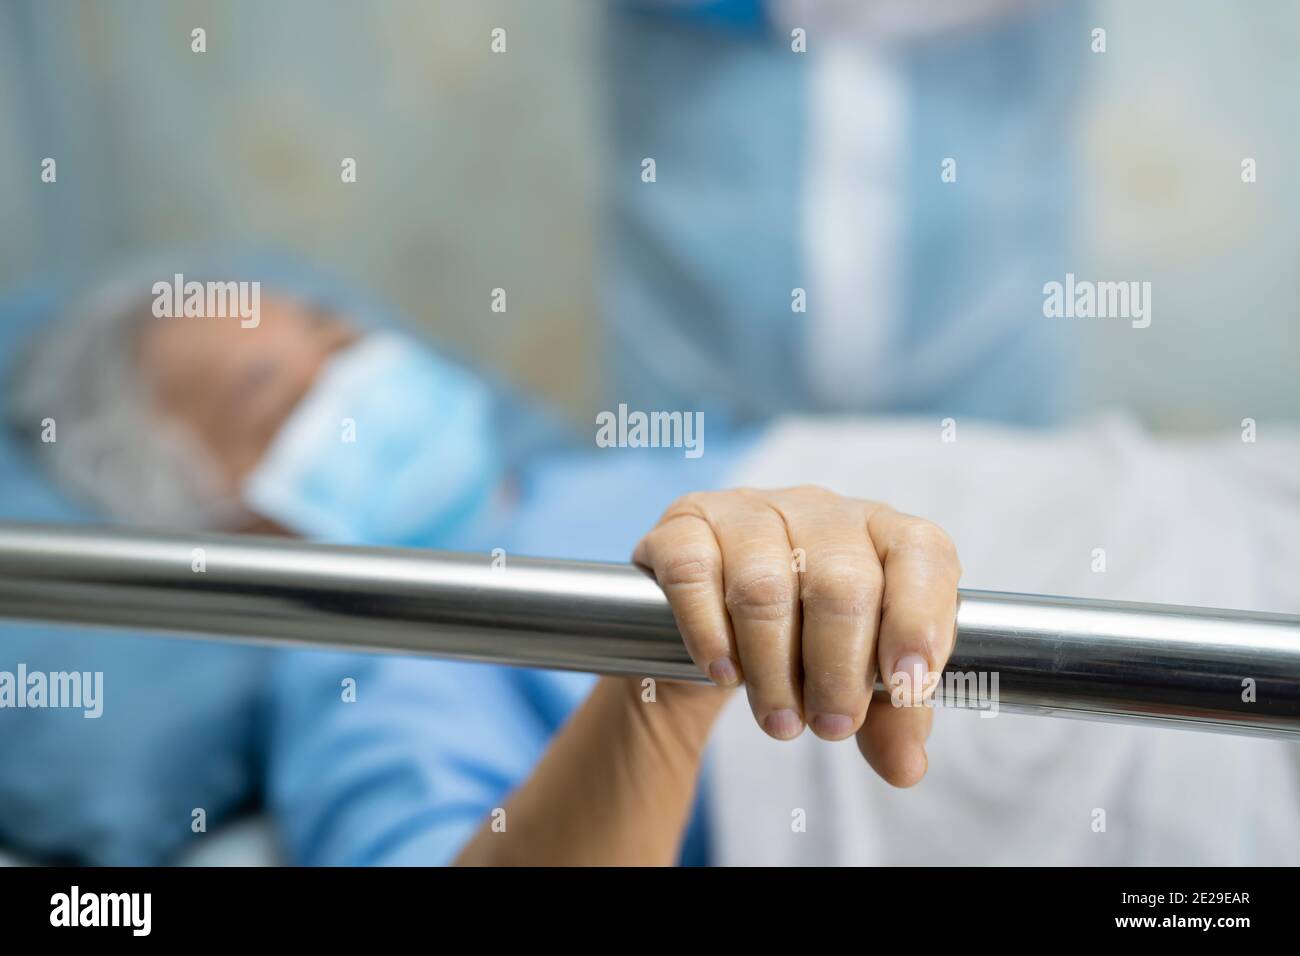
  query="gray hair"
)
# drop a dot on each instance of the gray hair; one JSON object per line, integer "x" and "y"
{"x": 80, "y": 405}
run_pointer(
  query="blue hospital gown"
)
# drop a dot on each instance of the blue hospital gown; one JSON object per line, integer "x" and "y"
{"x": 406, "y": 773}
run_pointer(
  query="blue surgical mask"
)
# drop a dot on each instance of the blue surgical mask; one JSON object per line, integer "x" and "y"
{"x": 391, "y": 446}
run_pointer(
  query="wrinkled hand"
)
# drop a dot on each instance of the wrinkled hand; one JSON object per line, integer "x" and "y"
{"x": 803, "y": 595}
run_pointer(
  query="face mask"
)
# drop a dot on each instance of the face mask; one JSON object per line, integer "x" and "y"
{"x": 391, "y": 446}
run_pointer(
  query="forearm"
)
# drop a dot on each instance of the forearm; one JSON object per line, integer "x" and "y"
{"x": 616, "y": 786}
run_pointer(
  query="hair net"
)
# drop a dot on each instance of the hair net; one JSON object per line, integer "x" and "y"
{"x": 79, "y": 401}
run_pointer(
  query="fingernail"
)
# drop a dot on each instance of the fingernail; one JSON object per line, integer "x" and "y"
{"x": 724, "y": 672}
{"x": 909, "y": 677}
{"x": 783, "y": 724}
{"x": 832, "y": 726}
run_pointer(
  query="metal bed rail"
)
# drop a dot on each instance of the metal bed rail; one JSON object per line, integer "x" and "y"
{"x": 1205, "y": 669}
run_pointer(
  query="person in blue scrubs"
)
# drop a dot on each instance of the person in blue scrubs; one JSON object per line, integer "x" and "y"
{"x": 806, "y": 245}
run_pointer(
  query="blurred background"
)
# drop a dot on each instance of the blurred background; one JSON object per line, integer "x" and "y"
{"x": 478, "y": 171}
{"x": 799, "y": 150}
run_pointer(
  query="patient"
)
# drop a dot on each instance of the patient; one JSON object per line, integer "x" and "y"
{"x": 307, "y": 426}
{"x": 159, "y": 421}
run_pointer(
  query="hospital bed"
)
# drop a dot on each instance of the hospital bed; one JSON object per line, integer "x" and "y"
{"x": 1195, "y": 668}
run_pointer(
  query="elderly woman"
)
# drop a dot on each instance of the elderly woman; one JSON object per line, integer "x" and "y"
{"x": 298, "y": 421}
{"x": 119, "y": 415}
{"x": 800, "y": 596}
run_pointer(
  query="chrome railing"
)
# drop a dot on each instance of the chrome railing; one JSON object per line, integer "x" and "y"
{"x": 1232, "y": 671}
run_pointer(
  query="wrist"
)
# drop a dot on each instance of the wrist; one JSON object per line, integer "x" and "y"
{"x": 676, "y": 716}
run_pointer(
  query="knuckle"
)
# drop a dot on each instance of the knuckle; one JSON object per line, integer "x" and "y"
{"x": 763, "y": 594}
{"x": 742, "y": 493}
{"x": 845, "y": 595}
{"x": 695, "y": 499}
{"x": 926, "y": 537}
{"x": 688, "y": 567}
{"x": 693, "y": 505}
{"x": 814, "y": 492}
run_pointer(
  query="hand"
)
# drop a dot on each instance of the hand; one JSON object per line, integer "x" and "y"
{"x": 803, "y": 595}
